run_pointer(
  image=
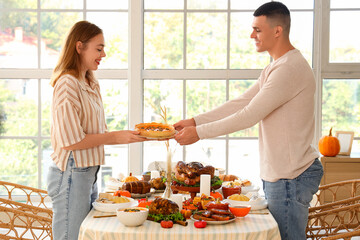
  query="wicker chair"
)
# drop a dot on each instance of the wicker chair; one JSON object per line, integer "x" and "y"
{"x": 336, "y": 212}
{"x": 29, "y": 220}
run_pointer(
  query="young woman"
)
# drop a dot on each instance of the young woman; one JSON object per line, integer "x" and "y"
{"x": 78, "y": 130}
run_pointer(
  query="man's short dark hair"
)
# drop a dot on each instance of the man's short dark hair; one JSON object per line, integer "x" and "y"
{"x": 277, "y": 12}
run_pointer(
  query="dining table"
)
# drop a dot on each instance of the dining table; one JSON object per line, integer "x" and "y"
{"x": 256, "y": 225}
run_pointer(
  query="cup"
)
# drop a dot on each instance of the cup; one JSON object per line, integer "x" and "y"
{"x": 154, "y": 174}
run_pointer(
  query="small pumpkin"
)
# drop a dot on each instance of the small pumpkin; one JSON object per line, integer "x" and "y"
{"x": 144, "y": 202}
{"x": 130, "y": 178}
{"x": 122, "y": 193}
{"x": 186, "y": 213}
{"x": 329, "y": 146}
{"x": 216, "y": 195}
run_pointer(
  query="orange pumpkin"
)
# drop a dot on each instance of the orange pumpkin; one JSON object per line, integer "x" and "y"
{"x": 216, "y": 195}
{"x": 123, "y": 193}
{"x": 329, "y": 146}
{"x": 144, "y": 202}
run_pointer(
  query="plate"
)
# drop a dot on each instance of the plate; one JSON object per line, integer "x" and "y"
{"x": 157, "y": 138}
{"x": 139, "y": 195}
{"x": 215, "y": 222}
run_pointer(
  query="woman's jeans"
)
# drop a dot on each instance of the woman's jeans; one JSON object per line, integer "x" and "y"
{"x": 289, "y": 201}
{"x": 72, "y": 193}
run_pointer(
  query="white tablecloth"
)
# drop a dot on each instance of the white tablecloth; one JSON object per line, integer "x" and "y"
{"x": 252, "y": 226}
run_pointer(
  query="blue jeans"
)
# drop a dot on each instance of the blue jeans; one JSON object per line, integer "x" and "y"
{"x": 289, "y": 201}
{"x": 72, "y": 193}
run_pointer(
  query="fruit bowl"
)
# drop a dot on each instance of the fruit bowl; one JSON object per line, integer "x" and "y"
{"x": 240, "y": 211}
{"x": 132, "y": 217}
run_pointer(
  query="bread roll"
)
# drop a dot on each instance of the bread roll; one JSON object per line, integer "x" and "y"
{"x": 140, "y": 187}
{"x": 228, "y": 178}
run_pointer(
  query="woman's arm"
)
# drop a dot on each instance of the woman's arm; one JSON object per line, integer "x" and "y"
{"x": 108, "y": 138}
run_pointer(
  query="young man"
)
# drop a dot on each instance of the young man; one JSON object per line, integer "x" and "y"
{"x": 282, "y": 102}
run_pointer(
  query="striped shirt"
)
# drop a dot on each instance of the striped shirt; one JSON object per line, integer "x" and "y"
{"x": 77, "y": 110}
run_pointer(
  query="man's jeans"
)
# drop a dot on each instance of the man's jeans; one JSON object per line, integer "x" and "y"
{"x": 289, "y": 201}
{"x": 72, "y": 193}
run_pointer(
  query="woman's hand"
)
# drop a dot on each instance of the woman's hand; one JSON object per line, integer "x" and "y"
{"x": 184, "y": 123}
{"x": 127, "y": 136}
{"x": 187, "y": 135}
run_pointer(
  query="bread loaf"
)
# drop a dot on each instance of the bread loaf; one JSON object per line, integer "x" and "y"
{"x": 228, "y": 178}
{"x": 140, "y": 187}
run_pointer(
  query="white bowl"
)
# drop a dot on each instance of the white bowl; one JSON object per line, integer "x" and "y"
{"x": 111, "y": 207}
{"x": 251, "y": 188}
{"x": 132, "y": 219}
{"x": 257, "y": 204}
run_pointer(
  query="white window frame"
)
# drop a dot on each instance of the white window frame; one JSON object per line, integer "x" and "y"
{"x": 136, "y": 73}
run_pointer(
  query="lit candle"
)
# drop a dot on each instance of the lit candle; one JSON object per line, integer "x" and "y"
{"x": 205, "y": 184}
{"x": 178, "y": 199}
{"x": 154, "y": 174}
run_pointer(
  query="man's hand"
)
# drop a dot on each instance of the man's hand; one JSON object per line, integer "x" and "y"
{"x": 184, "y": 123}
{"x": 187, "y": 135}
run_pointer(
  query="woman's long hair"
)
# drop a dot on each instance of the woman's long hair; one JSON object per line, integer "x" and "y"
{"x": 69, "y": 61}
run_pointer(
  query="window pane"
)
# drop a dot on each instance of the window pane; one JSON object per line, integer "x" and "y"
{"x": 46, "y": 98}
{"x": 54, "y": 29}
{"x": 155, "y": 155}
{"x": 17, "y": 4}
{"x": 163, "y": 40}
{"x": 355, "y": 146}
{"x": 244, "y": 160}
{"x": 206, "y": 40}
{"x": 116, "y": 164}
{"x": 236, "y": 88}
{"x": 344, "y": 4}
{"x": 341, "y": 105}
{"x": 204, "y": 95}
{"x": 18, "y": 45}
{"x": 63, "y": 4}
{"x": 304, "y": 4}
{"x": 164, "y": 4}
{"x": 115, "y": 29}
{"x": 163, "y": 93}
{"x": 243, "y": 54}
{"x": 209, "y": 152}
{"x": 114, "y": 94}
{"x": 207, "y": 4}
{"x": 342, "y": 47}
{"x": 46, "y": 160}
{"x": 108, "y": 4}
{"x": 253, "y": 4}
{"x": 19, "y": 99}
{"x": 19, "y": 161}
{"x": 301, "y": 33}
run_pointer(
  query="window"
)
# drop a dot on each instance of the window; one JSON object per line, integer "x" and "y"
{"x": 187, "y": 55}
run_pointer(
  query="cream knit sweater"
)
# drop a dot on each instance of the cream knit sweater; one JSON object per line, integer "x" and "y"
{"x": 282, "y": 102}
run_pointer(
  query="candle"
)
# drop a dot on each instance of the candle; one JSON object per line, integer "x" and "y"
{"x": 205, "y": 184}
{"x": 178, "y": 199}
{"x": 154, "y": 174}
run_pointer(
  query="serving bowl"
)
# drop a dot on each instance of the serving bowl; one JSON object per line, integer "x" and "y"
{"x": 259, "y": 203}
{"x": 228, "y": 191}
{"x": 132, "y": 217}
{"x": 111, "y": 207}
{"x": 240, "y": 211}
